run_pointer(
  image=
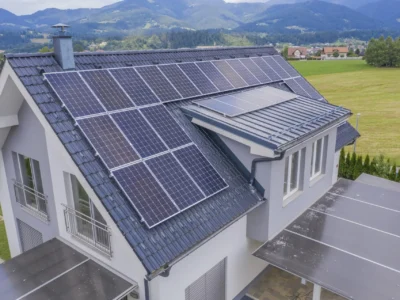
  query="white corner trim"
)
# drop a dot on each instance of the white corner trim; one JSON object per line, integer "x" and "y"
{"x": 8, "y": 121}
{"x": 255, "y": 149}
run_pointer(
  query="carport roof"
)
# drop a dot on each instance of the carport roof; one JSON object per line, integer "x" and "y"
{"x": 54, "y": 270}
{"x": 348, "y": 242}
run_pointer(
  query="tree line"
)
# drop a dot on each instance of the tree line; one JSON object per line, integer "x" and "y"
{"x": 351, "y": 166}
{"x": 383, "y": 52}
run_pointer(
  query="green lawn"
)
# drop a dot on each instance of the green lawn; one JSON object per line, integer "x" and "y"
{"x": 373, "y": 92}
{"x": 4, "y": 249}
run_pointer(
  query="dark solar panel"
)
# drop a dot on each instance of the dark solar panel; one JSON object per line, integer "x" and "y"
{"x": 266, "y": 68}
{"x": 108, "y": 141}
{"x": 139, "y": 133}
{"x": 277, "y": 68}
{"x": 230, "y": 74}
{"x": 200, "y": 169}
{"x": 134, "y": 86}
{"x": 107, "y": 90}
{"x": 308, "y": 88}
{"x": 158, "y": 83}
{"x": 255, "y": 70}
{"x": 222, "y": 107}
{"x": 147, "y": 196}
{"x": 215, "y": 76}
{"x": 180, "y": 81}
{"x": 175, "y": 180}
{"x": 243, "y": 72}
{"x": 71, "y": 90}
{"x": 286, "y": 66}
{"x": 297, "y": 89}
{"x": 198, "y": 78}
{"x": 166, "y": 126}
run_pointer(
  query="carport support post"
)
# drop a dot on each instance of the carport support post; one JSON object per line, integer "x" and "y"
{"x": 317, "y": 292}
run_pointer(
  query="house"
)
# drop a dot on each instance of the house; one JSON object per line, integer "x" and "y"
{"x": 158, "y": 174}
{"x": 297, "y": 52}
{"x": 330, "y": 51}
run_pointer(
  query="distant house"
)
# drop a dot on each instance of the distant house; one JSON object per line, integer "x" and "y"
{"x": 329, "y": 51}
{"x": 297, "y": 52}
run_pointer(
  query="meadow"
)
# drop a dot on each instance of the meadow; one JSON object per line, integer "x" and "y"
{"x": 372, "y": 92}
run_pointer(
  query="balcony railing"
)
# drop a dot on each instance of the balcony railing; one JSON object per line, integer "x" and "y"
{"x": 88, "y": 230}
{"x": 32, "y": 200}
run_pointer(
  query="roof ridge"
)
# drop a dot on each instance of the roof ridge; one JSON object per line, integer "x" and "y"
{"x": 180, "y": 50}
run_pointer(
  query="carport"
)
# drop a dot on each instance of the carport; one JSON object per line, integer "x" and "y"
{"x": 54, "y": 270}
{"x": 348, "y": 242}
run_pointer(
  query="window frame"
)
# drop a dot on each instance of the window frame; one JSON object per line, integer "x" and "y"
{"x": 37, "y": 189}
{"x": 288, "y": 177}
{"x": 315, "y": 174}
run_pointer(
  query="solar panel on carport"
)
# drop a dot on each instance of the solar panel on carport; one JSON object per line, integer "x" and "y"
{"x": 107, "y": 90}
{"x": 236, "y": 104}
{"x": 54, "y": 271}
{"x": 347, "y": 242}
{"x": 71, "y": 89}
{"x": 134, "y": 86}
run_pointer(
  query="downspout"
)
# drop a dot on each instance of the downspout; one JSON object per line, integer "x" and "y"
{"x": 146, "y": 289}
{"x": 259, "y": 160}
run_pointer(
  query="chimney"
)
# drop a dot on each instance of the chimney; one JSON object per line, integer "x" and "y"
{"x": 63, "y": 49}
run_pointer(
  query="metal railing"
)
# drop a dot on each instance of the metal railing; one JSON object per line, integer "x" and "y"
{"x": 91, "y": 232}
{"x": 31, "y": 199}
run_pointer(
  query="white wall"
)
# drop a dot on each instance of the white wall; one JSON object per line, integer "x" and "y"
{"x": 241, "y": 266}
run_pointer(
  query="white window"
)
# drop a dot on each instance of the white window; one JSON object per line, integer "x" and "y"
{"x": 292, "y": 174}
{"x": 317, "y": 157}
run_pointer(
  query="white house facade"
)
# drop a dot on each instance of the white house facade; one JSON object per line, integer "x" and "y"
{"x": 276, "y": 159}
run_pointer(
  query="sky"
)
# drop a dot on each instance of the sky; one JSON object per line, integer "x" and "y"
{"x": 23, "y": 7}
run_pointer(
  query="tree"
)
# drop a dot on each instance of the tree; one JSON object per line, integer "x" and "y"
{"x": 342, "y": 164}
{"x": 336, "y": 53}
{"x": 358, "y": 168}
{"x": 318, "y": 53}
{"x": 285, "y": 52}
{"x": 46, "y": 49}
{"x": 357, "y": 52}
{"x": 78, "y": 47}
{"x": 393, "y": 173}
{"x": 353, "y": 162}
{"x": 366, "y": 166}
{"x": 373, "y": 167}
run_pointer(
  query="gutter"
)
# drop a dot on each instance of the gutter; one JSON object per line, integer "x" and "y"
{"x": 260, "y": 160}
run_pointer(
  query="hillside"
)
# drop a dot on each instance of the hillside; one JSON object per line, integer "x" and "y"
{"x": 309, "y": 17}
{"x": 8, "y": 19}
{"x": 387, "y": 11}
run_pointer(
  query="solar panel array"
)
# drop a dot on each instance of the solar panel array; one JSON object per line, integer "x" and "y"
{"x": 155, "y": 163}
{"x": 241, "y": 103}
{"x": 301, "y": 87}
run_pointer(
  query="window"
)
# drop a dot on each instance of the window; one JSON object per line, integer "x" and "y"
{"x": 292, "y": 174}
{"x": 317, "y": 157}
{"x": 85, "y": 221}
{"x": 28, "y": 184}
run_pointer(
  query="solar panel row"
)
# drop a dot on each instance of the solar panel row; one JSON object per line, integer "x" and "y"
{"x": 301, "y": 87}
{"x": 168, "y": 184}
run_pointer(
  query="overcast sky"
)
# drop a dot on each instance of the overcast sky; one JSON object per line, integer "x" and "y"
{"x": 23, "y": 7}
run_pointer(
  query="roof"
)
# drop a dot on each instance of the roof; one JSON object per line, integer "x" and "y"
{"x": 346, "y": 135}
{"x": 278, "y": 126}
{"x": 292, "y": 50}
{"x": 162, "y": 245}
{"x": 54, "y": 271}
{"x": 379, "y": 182}
{"x": 339, "y": 49}
{"x": 347, "y": 242}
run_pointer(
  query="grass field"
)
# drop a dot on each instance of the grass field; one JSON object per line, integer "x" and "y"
{"x": 4, "y": 249}
{"x": 373, "y": 92}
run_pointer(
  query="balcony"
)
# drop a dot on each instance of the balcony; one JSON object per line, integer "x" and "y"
{"x": 88, "y": 230}
{"x": 31, "y": 200}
